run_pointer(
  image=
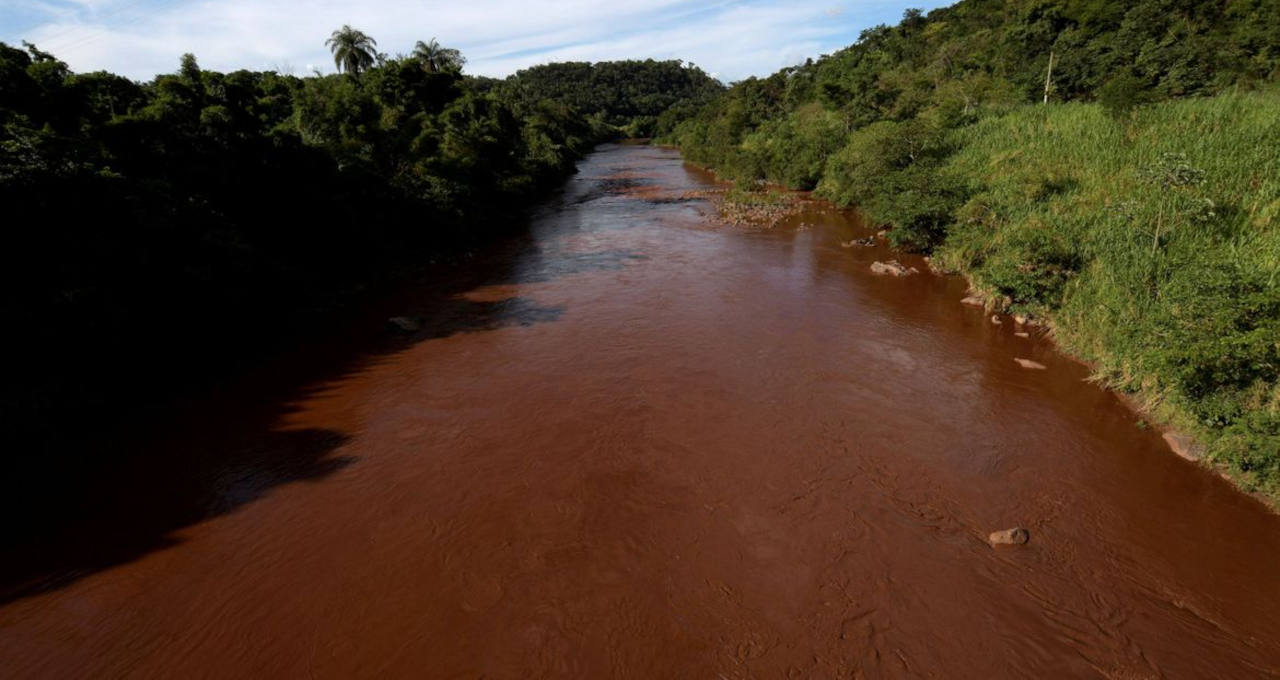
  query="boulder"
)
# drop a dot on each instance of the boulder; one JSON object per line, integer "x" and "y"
{"x": 1022, "y": 334}
{"x": 404, "y": 324}
{"x": 892, "y": 268}
{"x": 1184, "y": 446}
{"x": 1033, "y": 365}
{"x": 974, "y": 300}
{"x": 995, "y": 319}
{"x": 1014, "y": 536}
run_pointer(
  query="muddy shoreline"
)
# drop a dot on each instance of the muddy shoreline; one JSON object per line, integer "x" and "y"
{"x": 1181, "y": 443}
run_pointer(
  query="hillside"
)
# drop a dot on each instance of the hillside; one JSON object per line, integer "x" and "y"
{"x": 642, "y": 98}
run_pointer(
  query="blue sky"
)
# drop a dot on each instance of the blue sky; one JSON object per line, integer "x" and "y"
{"x": 731, "y": 39}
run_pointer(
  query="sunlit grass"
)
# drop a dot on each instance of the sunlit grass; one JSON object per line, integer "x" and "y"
{"x": 1153, "y": 243}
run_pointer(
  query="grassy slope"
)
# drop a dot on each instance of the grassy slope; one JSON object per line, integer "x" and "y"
{"x": 1153, "y": 245}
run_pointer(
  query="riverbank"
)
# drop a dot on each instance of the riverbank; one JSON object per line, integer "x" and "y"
{"x": 1152, "y": 244}
{"x": 1149, "y": 242}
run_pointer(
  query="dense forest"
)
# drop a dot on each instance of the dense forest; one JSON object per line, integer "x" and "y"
{"x": 643, "y": 98}
{"x": 160, "y": 232}
{"x": 1110, "y": 168}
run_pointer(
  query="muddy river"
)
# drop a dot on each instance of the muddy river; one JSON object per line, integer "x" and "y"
{"x": 636, "y": 443}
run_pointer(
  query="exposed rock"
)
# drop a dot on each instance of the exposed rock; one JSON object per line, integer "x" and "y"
{"x": 1020, "y": 319}
{"x": 1022, "y": 334}
{"x": 974, "y": 300}
{"x": 863, "y": 242}
{"x": 1015, "y": 536}
{"x": 404, "y": 324}
{"x": 1184, "y": 446}
{"x": 995, "y": 319}
{"x": 883, "y": 233}
{"x": 755, "y": 212}
{"x": 893, "y": 268}
{"x": 1033, "y": 365}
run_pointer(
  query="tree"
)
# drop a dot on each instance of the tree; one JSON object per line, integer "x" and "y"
{"x": 352, "y": 50}
{"x": 436, "y": 58}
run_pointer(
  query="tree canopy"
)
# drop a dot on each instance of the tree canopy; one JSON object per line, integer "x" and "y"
{"x": 353, "y": 51}
{"x": 436, "y": 58}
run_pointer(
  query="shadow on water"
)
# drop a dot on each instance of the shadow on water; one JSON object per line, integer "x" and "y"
{"x": 160, "y": 472}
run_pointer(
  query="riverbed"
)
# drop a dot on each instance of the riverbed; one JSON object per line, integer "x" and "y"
{"x": 634, "y": 442}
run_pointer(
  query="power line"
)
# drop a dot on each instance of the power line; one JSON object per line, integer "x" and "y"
{"x": 79, "y": 28}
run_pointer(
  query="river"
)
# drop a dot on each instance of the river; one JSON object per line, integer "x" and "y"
{"x": 635, "y": 443}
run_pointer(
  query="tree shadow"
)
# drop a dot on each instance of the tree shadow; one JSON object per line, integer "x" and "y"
{"x": 110, "y": 490}
{"x": 128, "y": 490}
{"x": 133, "y": 509}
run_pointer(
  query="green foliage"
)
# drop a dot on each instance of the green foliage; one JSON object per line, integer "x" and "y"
{"x": 436, "y": 58}
{"x": 632, "y": 96}
{"x": 1154, "y": 246}
{"x": 891, "y": 171}
{"x": 1122, "y": 94}
{"x": 353, "y": 51}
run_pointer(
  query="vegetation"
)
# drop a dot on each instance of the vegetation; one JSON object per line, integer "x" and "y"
{"x": 353, "y": 51}
{"x": 1136, "y": 210}
{"x": 436, "y": 58}
{"x": 641, "y": 98}
{"x": 1155, "y": 246}
{"x": 191, "y": 220}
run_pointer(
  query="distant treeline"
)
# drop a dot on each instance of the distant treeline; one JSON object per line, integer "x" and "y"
{"x": 1100, "y": 164}
{"x": 156, "y": 232}
{"x": 642, "y": 98}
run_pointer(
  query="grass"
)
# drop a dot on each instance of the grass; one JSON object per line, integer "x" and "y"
{"x": 1152, "y": 243}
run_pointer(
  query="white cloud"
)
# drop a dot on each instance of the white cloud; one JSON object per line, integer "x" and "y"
{"x": 140, "y": 38}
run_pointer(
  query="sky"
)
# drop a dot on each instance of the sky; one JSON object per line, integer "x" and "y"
{"x": 731, "y": 39}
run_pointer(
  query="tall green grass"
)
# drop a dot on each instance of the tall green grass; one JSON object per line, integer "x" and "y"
{"x": 1152, "y": 242}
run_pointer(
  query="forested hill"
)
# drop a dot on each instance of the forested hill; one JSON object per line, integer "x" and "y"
{"x": 643, "y": 98}
{"x": 158, "y": 232}
{"x": 951, "y": 65}
{"x": 1108, "y": 167}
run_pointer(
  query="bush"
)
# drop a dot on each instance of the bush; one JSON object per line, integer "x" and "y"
{"x": 892, "y": 172}
{"x": 1122, "y": 94}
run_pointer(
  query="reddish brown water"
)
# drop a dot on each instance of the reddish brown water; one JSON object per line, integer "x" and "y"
{"x": 636, "y": 444}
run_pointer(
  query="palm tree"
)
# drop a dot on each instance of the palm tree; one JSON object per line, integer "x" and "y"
{"x": 352, "y": 50}
{"x": 435, "y": 58}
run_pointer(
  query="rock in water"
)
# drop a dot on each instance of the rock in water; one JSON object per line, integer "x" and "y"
{"x": 892, "y": 268}
{"x": 1184, "y": 446}
{"x": 404, "y": 324}
{"x": 974, "y": 300}
{"x": 1033, "y": 365}
{"x": 995, "y": 319}
{"x": 1015, "y": 536}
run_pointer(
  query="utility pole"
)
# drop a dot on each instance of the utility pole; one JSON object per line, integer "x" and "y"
{"x": 1048, "y": 79}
